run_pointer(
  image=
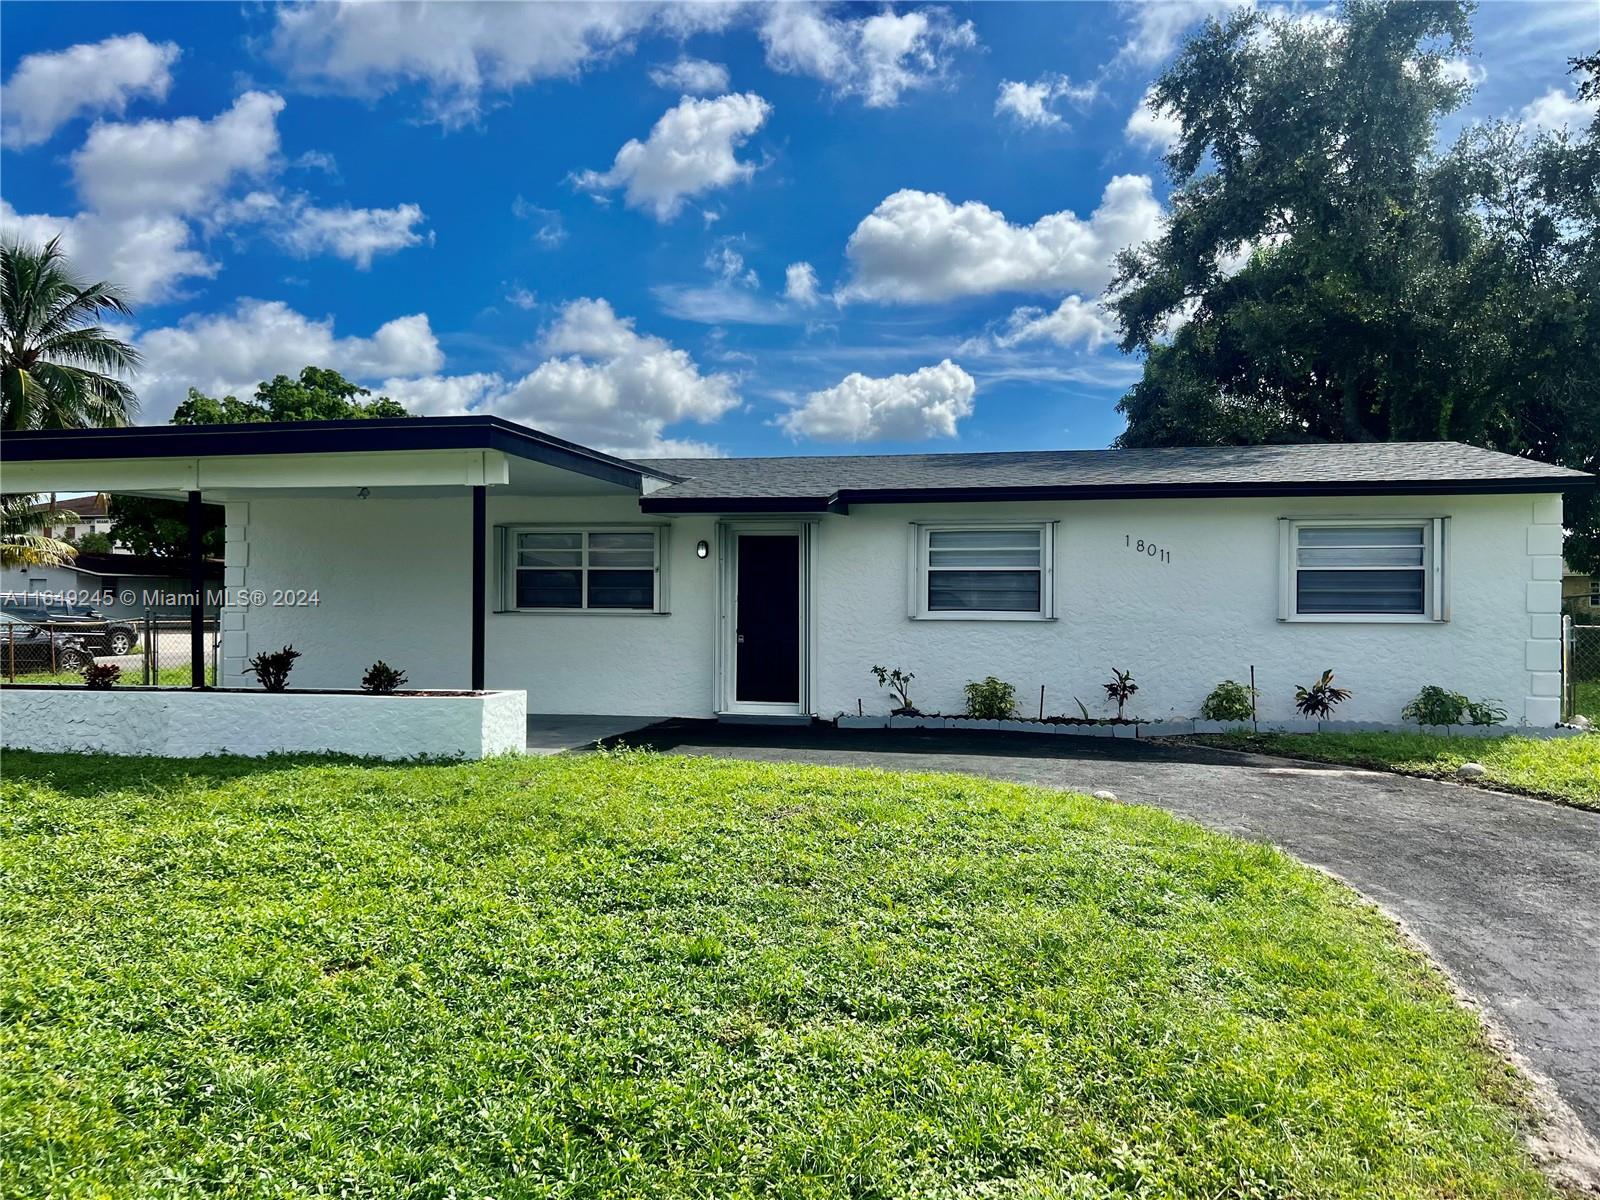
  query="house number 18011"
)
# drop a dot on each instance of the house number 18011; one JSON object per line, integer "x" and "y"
{"x": 1150, "y": 549}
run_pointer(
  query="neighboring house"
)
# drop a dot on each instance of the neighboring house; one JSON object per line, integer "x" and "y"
{"x": 470, "y": 551}
{"x": 1580, "y": 596}
{"x": 123, "y": 586}
{"x": 82, "y": 514}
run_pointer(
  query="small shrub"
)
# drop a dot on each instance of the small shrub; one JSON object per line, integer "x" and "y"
{"x": 101, "y": 677}
{"x": 1436, "y": 706}
{"x": 992, "y": 700}
{"x": 1485, "y": 712}
{"x": 381, "y": 679}
{"x": 1319, "y": 699}
{"x": 272, "y": 669}
{"x": 1229, "y": 701}
{"x": 897, "y": 681}
{"x": 1121, "y": 689}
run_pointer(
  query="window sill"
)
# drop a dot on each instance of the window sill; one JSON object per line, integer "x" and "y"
{"x": 578, "y": 612}
{"x": 981, "y": 616}
{"x": 1359, "y": 619}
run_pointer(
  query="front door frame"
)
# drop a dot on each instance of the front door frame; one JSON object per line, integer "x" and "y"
{"x": 728, "y": 533}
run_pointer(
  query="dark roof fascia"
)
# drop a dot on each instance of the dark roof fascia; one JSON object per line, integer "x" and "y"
{"x": 322, "y": 437}
{"x": 738, "y": 504}
{"x": 841, "y": 500}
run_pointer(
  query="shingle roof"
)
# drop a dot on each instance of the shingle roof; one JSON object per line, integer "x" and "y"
{"x": 805, "y": 484}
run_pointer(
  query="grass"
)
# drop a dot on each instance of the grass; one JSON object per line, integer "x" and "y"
{"x": 130, "y": 677}
{"x": 635, "y": 975}
{"x": 1586, "y": 698}
{"x": 1566, "y": 769}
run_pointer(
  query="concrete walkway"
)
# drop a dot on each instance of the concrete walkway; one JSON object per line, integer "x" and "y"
{"x": 1504, "y": 890}
{"x": 550, "y": 733}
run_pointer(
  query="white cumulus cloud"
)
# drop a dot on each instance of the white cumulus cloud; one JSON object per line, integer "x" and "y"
{"x": 800, "y": 284}
{"x": 464, "y": 52}
{"x": 1156, "y": 129}
{"x": 1157, "y": 26}
{"x": 1074, "y": 322}
{"x": 919, "y": 247}
{"x": 1031, "y": 103}
{"x": 231, "y": 352}
{"x": 48, "y": 90}
{"x": 690, "y": 150}
{"x": 143, "y": 184}
{"x": 1558, "y": 109}
{"x": 605, "y": 385}
{"x": 148, "y": 256}
{"x": 876, "y": 57}
{"x": 177, "y": 166}
{"x": 301, "y": 227}
{"x": 691, "y": 76}
{"x": 927, "y": 403}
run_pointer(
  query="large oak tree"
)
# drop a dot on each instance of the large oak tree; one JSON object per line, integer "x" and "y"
{"x": 1330, "y": 273}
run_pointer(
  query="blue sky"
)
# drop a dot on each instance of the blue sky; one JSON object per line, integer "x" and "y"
{"x": 653, "y": 227}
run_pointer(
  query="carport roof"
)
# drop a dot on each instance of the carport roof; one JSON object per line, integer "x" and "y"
{"x": 1323, "y": 469}
{"x": 321, "y": 437}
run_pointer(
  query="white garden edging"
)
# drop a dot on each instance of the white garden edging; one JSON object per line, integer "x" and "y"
{"x": 1184, "y": 728}
{"x": 173, "y": 723}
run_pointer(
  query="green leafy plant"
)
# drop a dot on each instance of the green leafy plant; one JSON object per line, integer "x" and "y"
{"x": 101, "y": 676}
{"x": 897, "y": 681}
{"x": 1121, "y": 689}
{"x": 992, "y": 700}
{"x": 1436, "y": 706}
{"x": 272, "y": 668}
{"x": 1319, "y": 699}
{"x": 1485, "y": 712}
{"x": 381, "y": 679}
{"x": 1229, "y": 701}
{"x": 1083, "y": 708}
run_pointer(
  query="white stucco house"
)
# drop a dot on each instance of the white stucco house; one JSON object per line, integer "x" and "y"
{"x": 474, "y": 552}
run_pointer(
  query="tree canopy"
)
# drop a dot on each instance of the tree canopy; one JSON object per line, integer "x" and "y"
{"x": 1330, "y": 273}
{"x": 161, "y": 527}
{"x": 316, "y": 394}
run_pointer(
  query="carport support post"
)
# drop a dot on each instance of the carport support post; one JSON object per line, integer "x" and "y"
{"x": 480, "y": 568}
{"x": 197, "y": 586}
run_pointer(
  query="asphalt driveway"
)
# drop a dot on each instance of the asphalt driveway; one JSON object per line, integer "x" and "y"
{"x": 1504, "y": 890}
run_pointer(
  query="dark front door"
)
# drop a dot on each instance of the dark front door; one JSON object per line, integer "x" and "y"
{"x": 767, "y": 635}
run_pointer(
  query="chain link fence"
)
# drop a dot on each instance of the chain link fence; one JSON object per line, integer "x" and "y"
{"x": 148, "y": 651}
{"x": 1580, "y": 673}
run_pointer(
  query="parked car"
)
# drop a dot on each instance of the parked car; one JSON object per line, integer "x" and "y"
{"x": 101, "y": 634}
{"x": 27, "y": 648}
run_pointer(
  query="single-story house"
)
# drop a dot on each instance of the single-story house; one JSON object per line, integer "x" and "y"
{"x": 474, "y": 552}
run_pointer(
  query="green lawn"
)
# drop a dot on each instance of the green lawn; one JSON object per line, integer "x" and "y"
{"x": 647, "y": 976}
{"x": 1557, "y": 768}
{"x": 130, "y": 677}
{"x": 1586, "y": 698}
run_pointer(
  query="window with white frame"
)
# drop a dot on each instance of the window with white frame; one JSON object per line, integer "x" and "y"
{"x": 989, "y": 571}
{"x": 1364, "y": 570}
{"x": 607, "y": 570}
{"x": 1594, "y": 592}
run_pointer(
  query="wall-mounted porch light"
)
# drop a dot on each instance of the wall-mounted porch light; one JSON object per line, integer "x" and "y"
{"x": 363, "y": 493}
{"x": 702, "y": 549}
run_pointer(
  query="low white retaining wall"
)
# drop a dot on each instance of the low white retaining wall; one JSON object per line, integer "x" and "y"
{"x": 183, "y": 724}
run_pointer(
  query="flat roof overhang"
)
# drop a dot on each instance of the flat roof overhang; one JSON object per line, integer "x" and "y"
{"x": 412, "y": 453}
{"x": 841, "y": 500}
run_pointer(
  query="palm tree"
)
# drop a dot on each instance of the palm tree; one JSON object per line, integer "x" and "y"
{"x": 58, "y": 368}
{"x": 23, "y": 542}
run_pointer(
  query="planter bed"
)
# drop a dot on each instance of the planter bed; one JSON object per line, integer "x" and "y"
{"x": 1178, "y": 727}
{"x": 181, "y": 723}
